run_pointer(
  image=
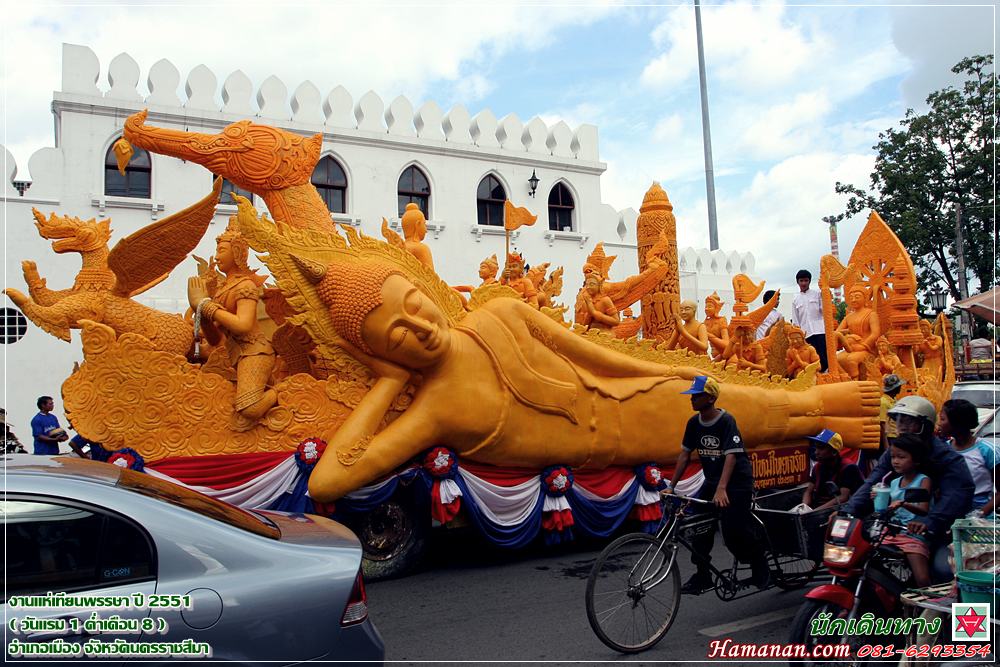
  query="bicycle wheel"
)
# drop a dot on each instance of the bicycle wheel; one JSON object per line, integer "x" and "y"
{"x": 633, "y": 593}
{"x": 795, "y": 573}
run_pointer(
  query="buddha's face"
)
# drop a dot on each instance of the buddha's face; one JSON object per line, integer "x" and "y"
{"x": 856, "y": 299}
{"x": 407, "y": 328}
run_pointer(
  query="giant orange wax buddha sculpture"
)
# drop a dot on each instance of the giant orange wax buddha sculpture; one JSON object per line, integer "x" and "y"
{"x": 400, "y": 363}
{"x": 504, "y": 384}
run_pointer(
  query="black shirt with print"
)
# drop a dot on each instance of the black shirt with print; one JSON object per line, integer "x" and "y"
{"x": 713, "y": 440}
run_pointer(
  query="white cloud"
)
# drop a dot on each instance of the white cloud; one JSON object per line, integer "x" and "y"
{"x": 397, "y": 49}
{"x": 668, "y": 128}
{"x": 786, "y": 128}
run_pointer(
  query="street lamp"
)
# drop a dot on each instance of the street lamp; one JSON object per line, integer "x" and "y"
{"x": 532, "y": 183}
{"x": 937, "y": 299}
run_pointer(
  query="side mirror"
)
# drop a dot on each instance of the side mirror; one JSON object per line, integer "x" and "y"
{"x": 917, "y": 496}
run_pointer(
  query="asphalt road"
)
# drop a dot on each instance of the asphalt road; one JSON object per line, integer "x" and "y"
{"x": 475, "y": 602}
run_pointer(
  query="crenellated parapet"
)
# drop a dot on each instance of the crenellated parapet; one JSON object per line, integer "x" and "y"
{"x": 308, "y": 109}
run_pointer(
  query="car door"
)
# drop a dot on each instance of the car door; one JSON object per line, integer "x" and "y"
{"x": 57, "y": 545}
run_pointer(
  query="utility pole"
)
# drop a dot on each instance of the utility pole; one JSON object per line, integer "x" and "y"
{"x": 713, "y": 226}
{"x": 963, "y": 285}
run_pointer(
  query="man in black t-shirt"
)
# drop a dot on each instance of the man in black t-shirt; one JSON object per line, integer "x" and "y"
{"x": 713, "y": 433}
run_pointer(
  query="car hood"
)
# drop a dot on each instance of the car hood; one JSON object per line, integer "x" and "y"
{"x": 311, "y": 530}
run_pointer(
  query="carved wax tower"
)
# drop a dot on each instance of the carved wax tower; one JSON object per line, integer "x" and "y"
{"x": 656, "y": 215}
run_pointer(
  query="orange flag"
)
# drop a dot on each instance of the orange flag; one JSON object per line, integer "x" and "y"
{"x": 514, "y": 217}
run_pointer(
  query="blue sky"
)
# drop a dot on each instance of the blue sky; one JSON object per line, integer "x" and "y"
{"x": 798, "y": 92}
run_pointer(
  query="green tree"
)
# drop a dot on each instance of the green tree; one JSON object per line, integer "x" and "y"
{"x": 933, "y": 163}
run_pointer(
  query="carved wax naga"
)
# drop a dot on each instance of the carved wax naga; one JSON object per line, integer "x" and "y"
{"x": 267, "y": 161}
{"x": 105, "y": 284}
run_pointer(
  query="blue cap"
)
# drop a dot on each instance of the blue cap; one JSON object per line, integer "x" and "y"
{"x": 829, "y": 438}
{"x": 704, "y": 385}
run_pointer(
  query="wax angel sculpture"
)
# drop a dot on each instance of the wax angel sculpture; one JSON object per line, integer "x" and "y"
{"x": 231, "y": 314}
{"x": 502, "y": 384}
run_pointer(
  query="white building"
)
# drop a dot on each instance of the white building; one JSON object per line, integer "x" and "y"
{"x": 375, "y": 157}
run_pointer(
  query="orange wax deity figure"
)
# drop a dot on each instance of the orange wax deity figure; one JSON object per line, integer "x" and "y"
{"x": 536, "y": 275}
{"x": 887, "y": 360}
{"x": 594, "y": 309}
{"x": 488, "y": 270}
{"x": 744, "y": 350}
{"x": 231, "y": 313}
{"x": 689, "y": 333}
{"x": 800, "y": 353}
{"x": 513, "y": 276}
{"x": 716, "y": 326}
{"x": 858, "y": 331}
{"x": 930, "y": 348}
{"x": 414, "y": 231}
{"x": 506, "y": 385}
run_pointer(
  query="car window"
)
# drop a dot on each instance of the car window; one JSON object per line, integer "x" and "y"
{"x": 983, "y": 397}
{"x": 53, "y": 546}
{"x": 193, "y": 501}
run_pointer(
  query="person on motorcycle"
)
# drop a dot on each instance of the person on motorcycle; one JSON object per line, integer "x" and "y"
{"x": 908, "y": 453}
{"x": 728, "y": 483}
{"x": 947, "y": 470}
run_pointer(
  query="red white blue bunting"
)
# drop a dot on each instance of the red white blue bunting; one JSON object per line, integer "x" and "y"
{"x": 509, "y": 506}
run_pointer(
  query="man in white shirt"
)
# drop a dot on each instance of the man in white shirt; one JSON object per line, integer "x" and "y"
{"x": 807, "y": 314}
{"x": 771, "y": 318}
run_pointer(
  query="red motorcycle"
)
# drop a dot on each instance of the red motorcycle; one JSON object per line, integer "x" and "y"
{"x": 868, "y": 578}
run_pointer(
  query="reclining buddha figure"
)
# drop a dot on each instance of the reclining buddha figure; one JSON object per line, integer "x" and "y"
{"x": 504, "y": 384}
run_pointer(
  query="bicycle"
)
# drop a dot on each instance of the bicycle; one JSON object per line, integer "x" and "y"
{"x": 633, "y": 591}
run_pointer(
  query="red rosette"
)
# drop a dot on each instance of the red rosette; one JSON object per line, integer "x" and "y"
{"x": 439, "y": 462}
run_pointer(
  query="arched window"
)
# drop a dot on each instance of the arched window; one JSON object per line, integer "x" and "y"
{"x": 14, "y": 326}
{"x": 331, "y": 183}
{"x": 137, "y": 178}
{"x": 490, "y": 197}
{"x": 227, "y": 187}
{"x": 413, "y": 187}
{"x": 560, "y": 209}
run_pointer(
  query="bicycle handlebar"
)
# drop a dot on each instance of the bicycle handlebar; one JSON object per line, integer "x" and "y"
{"x": 687, "y": 498}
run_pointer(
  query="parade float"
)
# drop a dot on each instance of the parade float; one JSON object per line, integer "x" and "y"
{"x": 351, "y": 380}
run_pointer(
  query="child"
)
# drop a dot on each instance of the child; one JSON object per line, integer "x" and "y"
{"x": 955, "y": 423}
{"x": 908, "y": 455}
{"x": 830, "y": 468}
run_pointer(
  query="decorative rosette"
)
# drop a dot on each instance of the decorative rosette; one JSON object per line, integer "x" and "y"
{"x": 308, "y": 453}
{"x": 647, "y": 509}
{"x": 557, "y": 515}
{"x": 441, "y": 464}
{"x": 127, "y": 458}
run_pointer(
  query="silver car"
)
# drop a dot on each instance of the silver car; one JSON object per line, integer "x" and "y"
{"x": 192, "y": 571}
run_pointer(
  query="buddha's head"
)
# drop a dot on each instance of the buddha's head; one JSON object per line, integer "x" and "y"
{"x": 488, "y": 268}
{"x": 713, "y": 304}
{"x": 378, "y": 310}
{"x": 857, "y": 297}
{"x": 414, "y": 223}
{"x": 687, "y": 310}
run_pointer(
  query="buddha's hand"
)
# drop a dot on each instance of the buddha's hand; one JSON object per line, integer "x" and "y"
{"x": 380, "y": 367}
{"x": 197, "y": 291}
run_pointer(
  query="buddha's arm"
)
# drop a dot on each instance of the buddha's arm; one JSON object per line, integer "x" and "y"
{"x": 874, "y": 331}
{"x": 596, "y": 358}
{"x": 358, "y": 455}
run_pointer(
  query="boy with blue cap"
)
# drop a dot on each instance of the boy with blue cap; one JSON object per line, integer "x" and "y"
{"x": 830, "y": 467}
{"x": 728, "y": 483}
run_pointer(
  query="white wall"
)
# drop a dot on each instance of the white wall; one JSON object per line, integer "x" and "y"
{"x": 373, "y": 141}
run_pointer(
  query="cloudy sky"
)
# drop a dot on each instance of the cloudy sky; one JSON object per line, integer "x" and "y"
{"x": 798, "y": 92}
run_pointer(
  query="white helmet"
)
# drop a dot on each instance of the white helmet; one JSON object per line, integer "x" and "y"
{"x": 915, "y": 406}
